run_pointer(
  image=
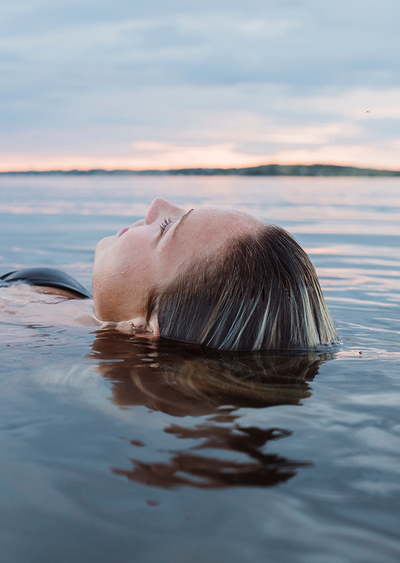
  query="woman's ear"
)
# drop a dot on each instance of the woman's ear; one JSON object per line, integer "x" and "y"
{"x": 140, "y": 327}
{"x": 153, "y": 325}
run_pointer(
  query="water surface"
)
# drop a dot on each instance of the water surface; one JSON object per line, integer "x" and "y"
{"x": 122, "y": 449}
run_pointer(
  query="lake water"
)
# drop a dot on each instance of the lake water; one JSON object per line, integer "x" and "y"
{"x": 116, "y": 449}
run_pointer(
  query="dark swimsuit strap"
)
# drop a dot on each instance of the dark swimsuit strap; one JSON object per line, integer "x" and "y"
{"x": 46, "y": 277}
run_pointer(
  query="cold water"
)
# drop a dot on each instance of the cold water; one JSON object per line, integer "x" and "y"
{"x": 116, "y": 449}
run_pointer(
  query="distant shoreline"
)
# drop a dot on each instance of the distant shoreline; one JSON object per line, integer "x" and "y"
{"x": 265, "y": 170}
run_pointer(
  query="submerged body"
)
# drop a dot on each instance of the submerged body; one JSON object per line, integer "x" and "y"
{"x": 45, "y": 297}
{"x": 55, "y": 281}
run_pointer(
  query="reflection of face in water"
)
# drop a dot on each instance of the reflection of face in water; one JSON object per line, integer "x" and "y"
{"x": 182, "y": 380}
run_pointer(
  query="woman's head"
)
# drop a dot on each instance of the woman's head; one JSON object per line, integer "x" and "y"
{"x": 155, "y": 250}
{"x": 212, "y": 276}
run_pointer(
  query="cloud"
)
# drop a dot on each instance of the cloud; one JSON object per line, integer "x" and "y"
{"x": 347, "y": 155}
{"x": 169, "y": 155}
{"x": 295, "y": 43}
{"x": 360, "y": 103}
{"x": 283, "y": 134}
{"x": 164, "y": 156}
{"x": 91, "y": 78}
{"x": 143, "y": 156}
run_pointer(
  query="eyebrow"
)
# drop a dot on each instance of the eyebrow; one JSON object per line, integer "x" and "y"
{"x": 179, "y": 225}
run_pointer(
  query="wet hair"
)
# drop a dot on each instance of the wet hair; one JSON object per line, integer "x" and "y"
{"x": 262, "y": 293}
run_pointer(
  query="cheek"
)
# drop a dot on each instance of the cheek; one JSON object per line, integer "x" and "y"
{"x": 102, "y": 246}
{"x": 113, "y": 295}
{"x": 105, "y": 286}
{"x": 102, "y": 264}
{"x": 122, "y": 275}
{"x": 102, "y": 289}
{"x": 113, "y": 257}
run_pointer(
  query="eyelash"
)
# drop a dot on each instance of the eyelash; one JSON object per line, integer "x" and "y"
{"x": 164, "y": 225}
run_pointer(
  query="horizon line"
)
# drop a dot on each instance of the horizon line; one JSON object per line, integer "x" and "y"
{"x": 261, "y": 170}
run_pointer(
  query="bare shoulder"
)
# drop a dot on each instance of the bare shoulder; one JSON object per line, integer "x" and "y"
{"x": 27, "y": 304}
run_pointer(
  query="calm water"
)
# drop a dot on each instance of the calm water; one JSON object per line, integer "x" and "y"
{"x": 115, "y": 449}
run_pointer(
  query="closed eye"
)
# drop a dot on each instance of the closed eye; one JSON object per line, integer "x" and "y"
{"x": 164, "y": 225}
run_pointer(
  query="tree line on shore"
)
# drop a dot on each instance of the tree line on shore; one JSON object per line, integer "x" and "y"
{"x": 264, "y": 170}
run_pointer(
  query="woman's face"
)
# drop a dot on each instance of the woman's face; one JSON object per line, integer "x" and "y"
{"x": 128, "y": 265}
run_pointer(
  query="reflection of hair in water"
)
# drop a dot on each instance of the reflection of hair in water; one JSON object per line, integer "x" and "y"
{"x": 203, "y": 472}
{"x": 249, "y": 381}
{"x": 183, "y": 380}
{"x": 263, "y": 294}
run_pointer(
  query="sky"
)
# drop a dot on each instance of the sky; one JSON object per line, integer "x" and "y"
{"x": 182, "y": 83}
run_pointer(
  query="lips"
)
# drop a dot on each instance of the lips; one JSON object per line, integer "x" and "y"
{"x": 139, "y": 223}
{"x": 122, "y": 231}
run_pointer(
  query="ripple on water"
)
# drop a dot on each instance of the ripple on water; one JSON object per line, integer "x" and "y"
{"x": 113, "y": 446}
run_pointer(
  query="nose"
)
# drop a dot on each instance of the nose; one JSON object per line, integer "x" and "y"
{"x": 160, "y": 207}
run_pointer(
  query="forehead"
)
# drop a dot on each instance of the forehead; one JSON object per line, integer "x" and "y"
{"x": 220, "y": 218}
{"x": 209, "y": 228}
